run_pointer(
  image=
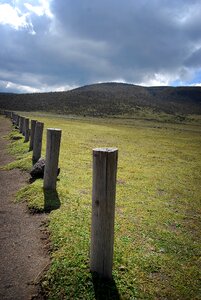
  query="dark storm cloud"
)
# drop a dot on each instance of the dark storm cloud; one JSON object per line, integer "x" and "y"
{"x": 142, "y": 34}
{"x": 195, "y": 59}
{"x": 89, "y": 41}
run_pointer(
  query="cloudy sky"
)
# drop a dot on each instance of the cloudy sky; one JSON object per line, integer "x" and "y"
{"x": 53, "y": 45}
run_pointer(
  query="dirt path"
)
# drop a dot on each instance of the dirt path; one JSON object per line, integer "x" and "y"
{"x": 22, "y": 249}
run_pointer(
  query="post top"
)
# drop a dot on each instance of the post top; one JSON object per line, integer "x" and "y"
{"x": 54, "y": 129}
{"x": 105, "y": 149}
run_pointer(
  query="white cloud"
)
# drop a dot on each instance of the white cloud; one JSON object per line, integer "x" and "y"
{"x": 18, "y": 18}
{"x": 19, "y": 88}
{"x": 157, "y": 79}
{"x": 38, "y": 10}
{"x": 196, "y": 84}
{"x": 62, "y": 88}
{"x": 42, "y": 9}
{"x": 10, "y": 86}
{"x": 12, "y": 16}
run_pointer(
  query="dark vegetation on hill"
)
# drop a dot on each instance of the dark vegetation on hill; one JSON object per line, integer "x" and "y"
{"x": 108, "y": 99}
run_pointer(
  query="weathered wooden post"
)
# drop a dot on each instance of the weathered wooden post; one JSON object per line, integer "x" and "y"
{"x": 33, "y": 126}
{"x": 26, "y": 129}
{"x": 17, "y": 121}
{"x": 103, "y": 210}
{"x": 37, "y": 141}
{"x": 13, "y": 117}
{"x": 52, "y": 158}
{"x": 21, "y": 124}
{"x": 23, "y": 127}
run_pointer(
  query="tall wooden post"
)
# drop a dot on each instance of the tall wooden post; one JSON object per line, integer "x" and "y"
{"x": 33, "y": 126}
{"x": 26, "y": 129}
{"x": 37, "y": 141}
{"x": 52, "y": 158}
{"x": 103, "y": 210}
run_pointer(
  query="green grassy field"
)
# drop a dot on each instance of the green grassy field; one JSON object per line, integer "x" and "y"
{"x": 157, "y": 223}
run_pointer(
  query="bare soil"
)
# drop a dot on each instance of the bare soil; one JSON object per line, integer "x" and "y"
{"x": 23, "y": 253}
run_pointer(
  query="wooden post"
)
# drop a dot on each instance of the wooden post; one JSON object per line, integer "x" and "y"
{"x": 33, "y": 126}
{"x": 17, "y": 121}
{"x": 26, "y": 129}
{"x": 37, "y": 141}
{"x": 21, "y": 124}
{"x": 103, "y": 210}
{"x": 13, "y": 117}
{"x": 23, "y": 127}
{"x": 52, "y": 158}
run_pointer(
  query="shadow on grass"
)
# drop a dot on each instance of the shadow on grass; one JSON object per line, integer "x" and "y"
{"x": 104, "y": 288}
{"x": 32, "y": 180}
{"x": 16, "y": 138}
{"x": 51, "y": 200}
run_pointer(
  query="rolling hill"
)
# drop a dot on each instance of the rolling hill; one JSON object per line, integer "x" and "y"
{"x": 108, "y": 99}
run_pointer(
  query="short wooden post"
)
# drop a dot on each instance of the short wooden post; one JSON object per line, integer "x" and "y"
{"x": 52, "y": 158}
{"x": 13, "y": 117}
{"x": 37, "y": 146}
{"x": 21, "y": 124}
{"x": 17, "y": 121}
{"x": 103, "y": 210}
{"x": 24, "y": 125}
{"x": 33, "y": 126}
{"x": 26, "y": 129}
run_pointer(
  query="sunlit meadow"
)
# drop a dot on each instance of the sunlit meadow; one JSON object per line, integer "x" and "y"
{"x": 157, "y": 223}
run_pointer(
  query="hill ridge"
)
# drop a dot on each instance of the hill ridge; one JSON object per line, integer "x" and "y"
{"x": 109, "y": 98}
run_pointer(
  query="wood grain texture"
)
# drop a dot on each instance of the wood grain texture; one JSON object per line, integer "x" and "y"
{"x": 33, "y": 126}
{"x": 52, "y": 158}
{"x": 21, "y": 124}
{"x": 37, "y": 141}
{"x": 103, "y": 210}
{"x": 26, "y": 130}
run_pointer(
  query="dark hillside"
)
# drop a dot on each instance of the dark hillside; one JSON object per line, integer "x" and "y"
{"x": 108, "y": 99}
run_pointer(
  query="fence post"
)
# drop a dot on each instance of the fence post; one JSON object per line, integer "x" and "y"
{"x": 13, "y": 118}
{"x": 103, "y": 210}
{"x": 52, "y": 158}
{"x": 17, "y": 120}
{"x": 37, "y": 141}
{"x": 21, "y": 124}
{"x": 33, "y": 126}
{"x": 26, "y": 129}
{"x": 23, "y": 127}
